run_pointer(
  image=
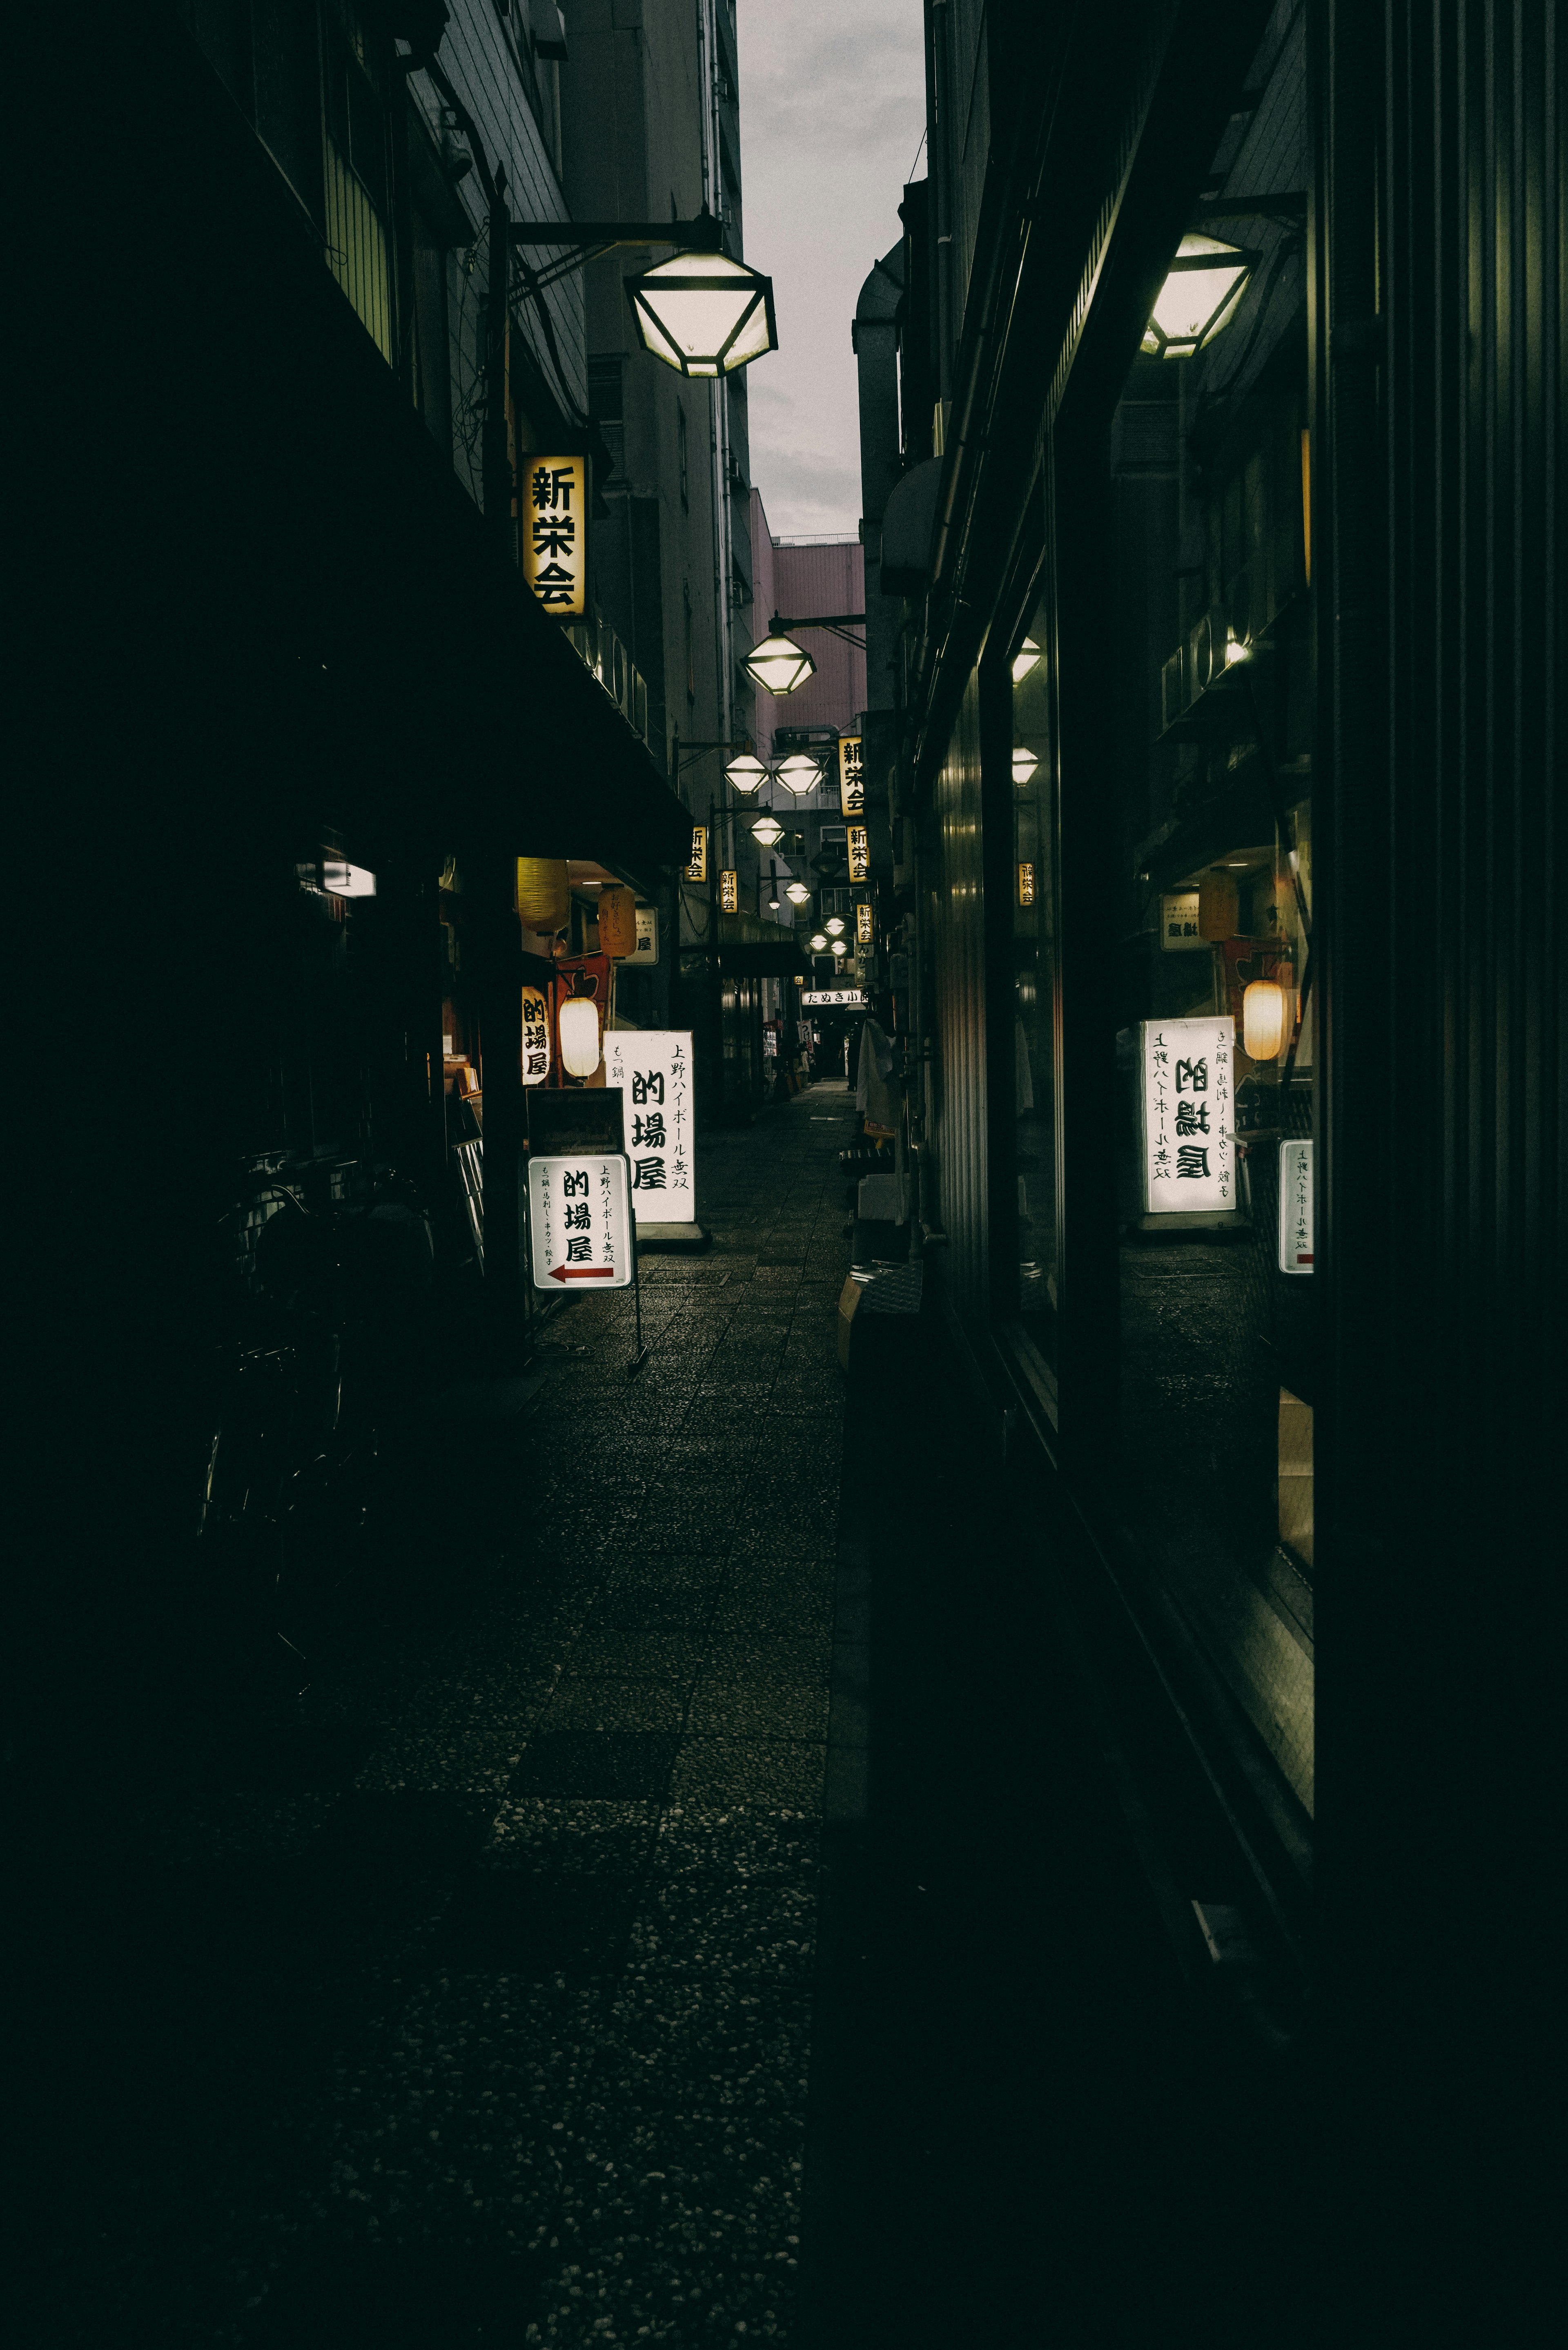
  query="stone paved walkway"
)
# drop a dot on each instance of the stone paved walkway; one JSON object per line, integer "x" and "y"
{"x": 501, "y": 2023}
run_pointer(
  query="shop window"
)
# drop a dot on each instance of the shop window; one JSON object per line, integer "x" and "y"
{"x": 1207, "y": 704}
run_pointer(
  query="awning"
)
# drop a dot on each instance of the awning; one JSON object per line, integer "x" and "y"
{"x": 349, "y": 644}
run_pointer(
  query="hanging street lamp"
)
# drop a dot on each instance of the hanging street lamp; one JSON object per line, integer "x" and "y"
{"x": 767, "y": 832}
{"x": 1023, "y": 762}
{"x": 1023, "y": 659}
{"x": 779, "y": 664}
{"x": 798, "y": 894}
{"x": 746, "y": 774}
{"x": 1202, "y": 290}
{"x": 834, "y": 929}
{"x": 819, "y": 944}
{"x": 799, "y": 774}
{"x": 704, "y": 314}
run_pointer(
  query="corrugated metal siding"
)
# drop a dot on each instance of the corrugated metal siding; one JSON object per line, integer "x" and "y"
{"x": 474, "y": 52}
{"x": 962, "y": 1158}
{"x": 1444, "y": 703}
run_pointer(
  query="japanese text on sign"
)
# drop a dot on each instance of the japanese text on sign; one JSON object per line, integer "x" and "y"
{"x": 555, "y": 532}
{"x": 1188, "y": 1116}
{"x": 850, "y": 995}
{"x": 653, "y": 1066}
{"x": 1295, "y": 1207}
{"x": 859, "y": 854}
{"x": 1026, "y": 884}
{"x": 1179, "y": 923}
{"x": 698, "y": 868}
{"x": 862, "y": 926}
{"x": 729, "y": 892}
{"x": 535, "y": 1036}
{"x": 851, "y": 776}
{"x": 579, "y": 1223}
{"x": 647, "y": 936}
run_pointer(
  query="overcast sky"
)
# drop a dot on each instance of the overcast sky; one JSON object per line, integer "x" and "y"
{"x": 833, "y": 104}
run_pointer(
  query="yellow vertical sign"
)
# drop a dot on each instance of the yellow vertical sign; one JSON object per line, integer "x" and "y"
{"x": 698, "y": 868}
{"x": 1026, "y": 884}
{"x": 729, "y": 892}
{"x": 862, "y": 925}
{"x": 859, "y": 854}
{"x": 555, "y": 503}
{"x": 851, "y": 776}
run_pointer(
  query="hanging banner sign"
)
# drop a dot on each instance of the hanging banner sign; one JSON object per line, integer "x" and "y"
{"x": 698, "y": 868}
{"x": 859, "y": 854}
{"x": 1295, "y": 1207}
{"x": 863, "y": 931}
{"x": 535, "y": 1036}
{"x": 653, "y": 1066}
{"x": 1026, "y": 884}
{"x": 729, "y": 892}
{"x": 851, "y": 776}
{"x": 556, "y": 532}
{"x": 852, "y": 997}
{"x": 579, "y": 1221}
{"x": 646, "y": 935}
{"x": 1178, "y": 930}
{"x": 1188, "y": 1116}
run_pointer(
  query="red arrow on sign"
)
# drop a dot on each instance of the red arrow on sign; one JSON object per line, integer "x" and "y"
{"x": 582, "y": 1273}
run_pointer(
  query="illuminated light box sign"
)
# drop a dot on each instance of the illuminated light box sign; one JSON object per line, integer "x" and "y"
{"x": 1179, "y": 931}
{"x": 1026, "y": 883}
{"x": 863, "y": 919}
{"x": 1187, "y": 1077}
{"x": 653, "y": 1066}
{"x": 860, "y": 853}
{"x": 851, "y": 776}
{"x": 698, "y": 868}
{"x": 729, "y": 892}
{"x": 647, "y": 936}
{"x": 556, "y": 532}
{"x": 1295, "y": 1207}
{"x": 579, "y": 1221}
{"x": 535, "y": 1036}
{"x": 834, "y": 995}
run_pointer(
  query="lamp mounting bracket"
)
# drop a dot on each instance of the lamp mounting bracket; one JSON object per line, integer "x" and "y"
{"x": 1292, "y": 204}
{"x": 703, "y": 234}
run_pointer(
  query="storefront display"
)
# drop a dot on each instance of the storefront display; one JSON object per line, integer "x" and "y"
{"x": 1210, "y": 726}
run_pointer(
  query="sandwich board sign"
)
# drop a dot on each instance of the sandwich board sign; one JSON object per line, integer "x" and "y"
{"x": 653, "y": 1066}
{"x": 579, "y": 1221}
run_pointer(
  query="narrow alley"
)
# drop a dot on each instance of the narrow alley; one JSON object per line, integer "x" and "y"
{"x": 515, "y": 1936}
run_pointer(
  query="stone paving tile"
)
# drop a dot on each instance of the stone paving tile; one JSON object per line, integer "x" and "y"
{"x": 748, "y": 1770}
{"x": 599, "y": 1701}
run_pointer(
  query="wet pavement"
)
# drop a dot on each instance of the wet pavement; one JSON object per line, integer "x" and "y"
{"x": 478, "y": 2005}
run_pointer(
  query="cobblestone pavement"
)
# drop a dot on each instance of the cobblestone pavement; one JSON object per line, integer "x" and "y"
{"x": 485, "y": 2014}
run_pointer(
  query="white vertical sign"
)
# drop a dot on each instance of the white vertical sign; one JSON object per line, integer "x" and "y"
{"x": 1295, "y": 1207}
{"x": 653, "y": 1066}
{"x": 579, "y": 1221}
{"x": 1188, "y": 1116}
{"x": 647, "y": 936}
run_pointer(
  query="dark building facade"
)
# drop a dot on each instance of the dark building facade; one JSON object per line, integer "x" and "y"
{"x": 1214, "y": 540}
